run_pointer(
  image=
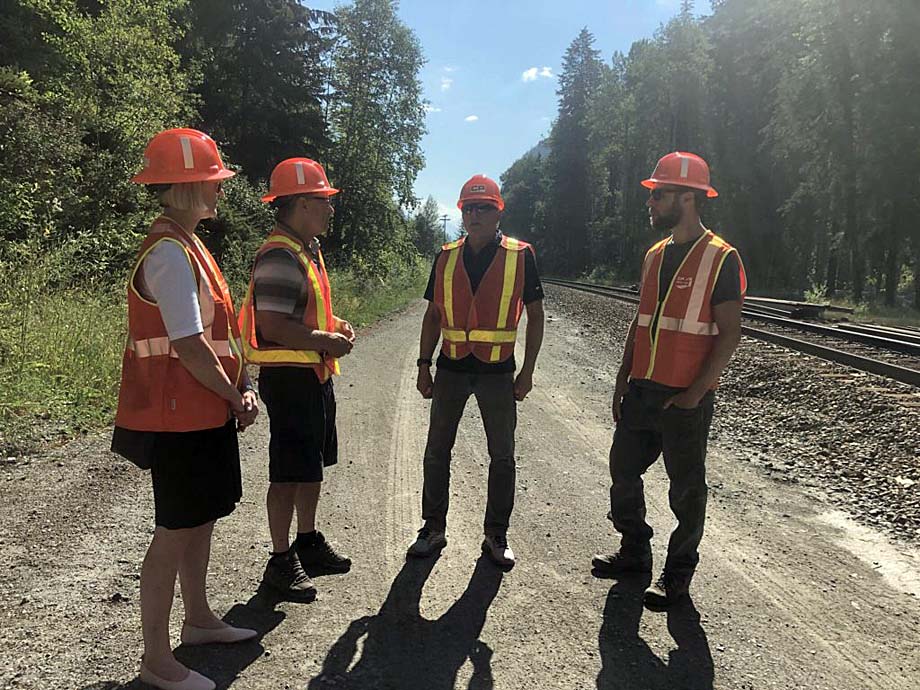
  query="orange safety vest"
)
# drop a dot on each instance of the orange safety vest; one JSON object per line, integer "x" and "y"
{"x": 684, "y": 329}
{"x": 157, "y": 392}
{"x": 317, "y": 316}
{"x": 484, "y": 324}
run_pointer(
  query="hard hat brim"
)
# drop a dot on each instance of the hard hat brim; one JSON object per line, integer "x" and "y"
{"x": 327, "y": 192}
{"x": 151, "y": 177}
{"x": 652, "y": 183}
{"x": 499, "y": 203}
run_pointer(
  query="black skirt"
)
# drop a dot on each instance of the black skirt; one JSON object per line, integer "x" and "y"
{"x": 196, "y": 474}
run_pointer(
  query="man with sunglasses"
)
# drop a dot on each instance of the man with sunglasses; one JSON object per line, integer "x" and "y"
{"x": 479, "y": 286}
{"x": 289, "y": 330}
{"x": 684, "y": 334}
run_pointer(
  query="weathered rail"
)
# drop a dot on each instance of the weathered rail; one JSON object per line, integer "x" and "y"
{"x": 867, "y": 364}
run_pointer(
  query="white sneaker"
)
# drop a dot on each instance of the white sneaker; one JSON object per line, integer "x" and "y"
{"x": 495, "y": 546}
{"x": 427, "y": 542}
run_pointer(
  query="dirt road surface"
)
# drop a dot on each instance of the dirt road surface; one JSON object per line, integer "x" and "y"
{"x": 789, "y": 594}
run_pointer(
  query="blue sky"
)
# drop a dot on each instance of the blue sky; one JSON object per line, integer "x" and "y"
{"x": 491, "y": 75}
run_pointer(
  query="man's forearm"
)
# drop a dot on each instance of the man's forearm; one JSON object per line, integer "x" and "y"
{"x": 431, "y": 333}
{"x": 295, "y": 335}
{"x": 629, "y": 347}
{"x": 533, "y": 340}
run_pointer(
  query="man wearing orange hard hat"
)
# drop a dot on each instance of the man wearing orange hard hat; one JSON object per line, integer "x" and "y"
{"x": 290, "y": 331}
{"x": 684, "y": 334}
{"x": 479, "y": 286}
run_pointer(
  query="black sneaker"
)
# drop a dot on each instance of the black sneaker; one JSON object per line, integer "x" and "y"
{"x": 320, "y": 557}
{"x": 286, "y": 576}
{"x": 669, "y": 589}
{"x": 620, "y": 562}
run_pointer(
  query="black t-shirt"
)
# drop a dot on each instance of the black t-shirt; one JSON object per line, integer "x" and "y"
{"x": 726, "y": 289}
{"x": 728, "y": 282}
{"x": 476, "y": 265}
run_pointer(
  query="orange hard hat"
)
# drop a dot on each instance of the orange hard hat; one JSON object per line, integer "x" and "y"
{"x": 298, "y": 176}
{"x": 481, "y": 188}
{"x": 181, "y": 155}
{"x": 681, "y": 169}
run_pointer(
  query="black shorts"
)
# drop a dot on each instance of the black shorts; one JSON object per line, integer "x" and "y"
{"x": 301, "y": 413}
{"x": 196, "y": 474}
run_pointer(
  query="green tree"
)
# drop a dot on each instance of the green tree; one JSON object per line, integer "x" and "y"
{"x": 377, "y": 120}
{"x": 427, "y": 230}
{"x": 259, "y": 68}
{"x": 568, "y": 168}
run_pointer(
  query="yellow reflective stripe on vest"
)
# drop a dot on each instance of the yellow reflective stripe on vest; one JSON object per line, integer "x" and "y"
{"x": 498, "y": 336}
{"x": 281, "y": 356}
{"x": 454, "y": 335}
{"x": 449, "y": 295}
{"x": 504, "y": 305}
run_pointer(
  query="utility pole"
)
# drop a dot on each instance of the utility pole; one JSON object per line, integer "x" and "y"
{"x": 444, "y": 220}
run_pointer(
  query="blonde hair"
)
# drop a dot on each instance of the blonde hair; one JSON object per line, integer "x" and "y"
{"x": 184, "y": 196}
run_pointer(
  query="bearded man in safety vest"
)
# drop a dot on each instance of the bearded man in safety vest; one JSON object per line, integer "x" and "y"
{"x": 289, "y": 330}
{"x": 479, "y": 286}
{"x": 684, "y": 334}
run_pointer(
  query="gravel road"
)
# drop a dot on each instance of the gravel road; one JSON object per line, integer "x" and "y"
{"x": 800, "y": 584}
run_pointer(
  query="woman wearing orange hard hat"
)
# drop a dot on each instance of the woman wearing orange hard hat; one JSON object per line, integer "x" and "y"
{"x": 290, "y": 331}
{"x": 184, "y": 393}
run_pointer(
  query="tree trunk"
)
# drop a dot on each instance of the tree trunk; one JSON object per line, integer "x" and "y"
{"x": 832, "y": 273}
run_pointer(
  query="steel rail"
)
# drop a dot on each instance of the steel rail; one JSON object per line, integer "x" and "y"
{"x": 884, "y": 342}
{"x": 867, "y": 364}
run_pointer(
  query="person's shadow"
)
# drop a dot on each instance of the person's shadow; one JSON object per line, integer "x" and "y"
{"x": 223, "y": 663}
{"x": 403, "y": 651}
{"x": 627, "y": 661}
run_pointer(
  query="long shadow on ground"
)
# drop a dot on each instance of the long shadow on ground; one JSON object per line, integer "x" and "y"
{"x": 223, "y": 663}
{"x": 403, "y": 651}
{"x": 627, "y": 661}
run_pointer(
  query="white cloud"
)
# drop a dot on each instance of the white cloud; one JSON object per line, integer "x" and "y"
{"x": 471, "y": 118}
{"x": 432, "y": 109}
{"x": 446, "y": 83}
{"x": 534, "y": 73}
{"x": 450, "y": 68}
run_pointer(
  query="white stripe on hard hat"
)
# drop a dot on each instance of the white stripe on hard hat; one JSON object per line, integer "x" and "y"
{"x": 187, "y": 158}
{"x": 684, "y": 166}
{"x": 298, "y": 167}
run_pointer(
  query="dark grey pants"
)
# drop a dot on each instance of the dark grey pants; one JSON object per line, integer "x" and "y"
{"x": 646, "y": 431}
{"x": 495, "y": 396}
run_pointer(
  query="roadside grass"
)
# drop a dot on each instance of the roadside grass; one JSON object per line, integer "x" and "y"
{"x": 60, "y": 350}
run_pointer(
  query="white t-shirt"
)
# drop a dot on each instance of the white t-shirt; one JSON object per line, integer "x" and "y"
{"x": 165, "y": 277}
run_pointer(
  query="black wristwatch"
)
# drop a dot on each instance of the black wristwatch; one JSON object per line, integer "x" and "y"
{"x": 423, "y": 361}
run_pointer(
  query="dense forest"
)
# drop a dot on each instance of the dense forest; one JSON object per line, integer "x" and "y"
{"x": 85, "y": 83}
{"x": 808, "y": 112}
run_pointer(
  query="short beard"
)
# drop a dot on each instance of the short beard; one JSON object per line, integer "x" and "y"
{"x": 663, "y": 223}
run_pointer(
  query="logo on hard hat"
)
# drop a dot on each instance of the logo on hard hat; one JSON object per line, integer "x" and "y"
{"x": 477, "y": 188}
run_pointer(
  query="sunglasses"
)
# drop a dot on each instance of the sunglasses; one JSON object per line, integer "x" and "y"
{"x": 658, "y": 194}
{"x": 479, "y": 208}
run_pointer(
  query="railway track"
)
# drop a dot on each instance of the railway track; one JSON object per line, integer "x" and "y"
{"x": 898, "y": 348}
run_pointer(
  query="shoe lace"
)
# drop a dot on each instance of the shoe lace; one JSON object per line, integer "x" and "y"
{"x": 294, "y": 570}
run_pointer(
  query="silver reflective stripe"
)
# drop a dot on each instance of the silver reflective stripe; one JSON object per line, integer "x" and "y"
{"x": 188, "y": 159}
{"x": 700, "y": 281}
{"x": 670, "y": 323}
{"x": 684, "y": 167}
{"x": 298, "y": 168}
{"x": 645, "y": 320}
{"x": 160, "y": 347}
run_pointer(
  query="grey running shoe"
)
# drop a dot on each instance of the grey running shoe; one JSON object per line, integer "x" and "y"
{"x": 428, "y": 542}
{"x": 620, "y": 562}
{"x": 495, "y": 546}
{"x": 286, "y": 576}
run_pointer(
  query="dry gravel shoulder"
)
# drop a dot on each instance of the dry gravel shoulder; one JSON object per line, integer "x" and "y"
{"x": 792, "y": 592}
